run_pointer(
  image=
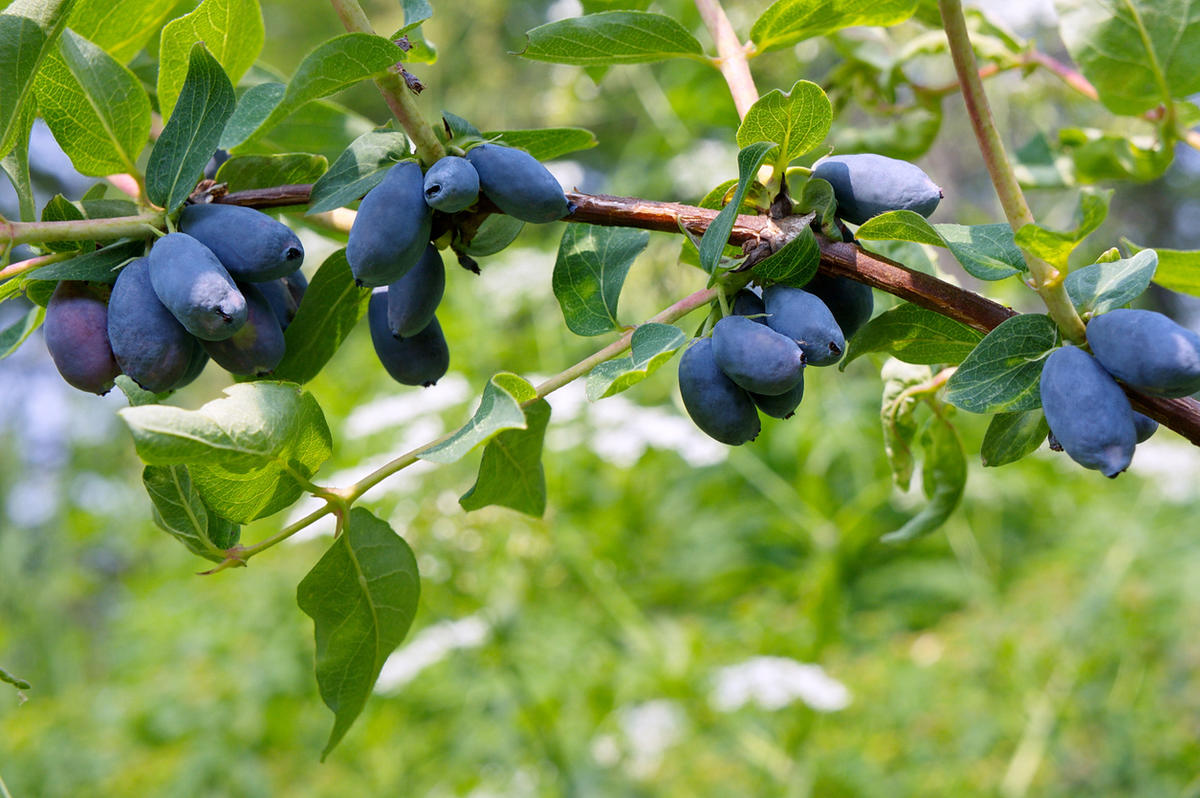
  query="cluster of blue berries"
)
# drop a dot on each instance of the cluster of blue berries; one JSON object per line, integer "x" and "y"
{"x": 1089, "y": 416}
{"x": 225, "y": 287}
{"x": 390, "y": 247}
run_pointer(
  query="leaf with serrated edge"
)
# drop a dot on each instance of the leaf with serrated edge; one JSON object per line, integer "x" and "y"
{"x": 651, "y": 345}
{"x": 231, "y": 29}
{"x": 511, "y": 473}
{"x": 1011, "y": 436}
{"x": 95, "y": 107}
{"x": 499, "y": 409}
{"x": 589, "y": 272}
{"x": 331, "y": 306}
{"x": 206, "y": 101}
{"x": 915, "y": 335}
{"x": 789, "y": 21}
{"x": 797, "y": 121}
{"x": 1100, "y": 287}
{"x": 1004, "y": 371}
{"x": 362, "y": 596}
{"x": 611, "y": 37}
{"x": 28, "y": 32}
{"x": 358, "y": 169}
{"x": 179, "y": 511}
{"x": 712, "y": 243}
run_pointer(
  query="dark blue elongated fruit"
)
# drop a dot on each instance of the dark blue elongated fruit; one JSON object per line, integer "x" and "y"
{"x": 421, "y": 359}
{"x": 716, "y": 404}
{"x": 192, "y": 283}
{"x": 76, "y": 331}
{"x": 518, "y": 184}
{"x": 1087, "y": 411}
{"x": 413, "y": 299}
{"x": 1147, "y": 350}
{"x": 451, "y": 184}
{"x": 748, "y": 303}
{"x": 195, "y": 367}
{"x": 150, "y": 345}
{"x": 756, "y": 357}
{"x": 392, "y": 227}
{"x": 867, "y": 185}
{"x": 1144, "y": 426}
{"x": 284, "y": 295}
{"x": 850, "y": 302}
{"x": 251, "y": 245}
{"x": 805, "y": 319}
{"x": 782, "y": 406}
{"x": 256, "y": 349}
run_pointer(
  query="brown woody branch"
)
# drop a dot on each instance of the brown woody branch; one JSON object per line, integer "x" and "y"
{"x": 837, "y": 258}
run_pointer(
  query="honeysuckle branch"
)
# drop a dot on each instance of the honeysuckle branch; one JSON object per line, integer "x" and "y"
{"x": 394, "y": 90}
{"x": 731, "y": 55}
{"x": 12, "y": 233}
{"x": 20, "y": 267}
{"x": 1046, "y": 280}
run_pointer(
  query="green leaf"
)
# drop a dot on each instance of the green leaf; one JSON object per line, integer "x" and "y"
{"x": 16, "y": 164}
{"x": 358, "y": 170}
{"x": 121, "y": 28}
{"x": 60, "y": 209}
{"x": 985, "y": 251}
{"x": 415, "y": 12}
{"x": 789, "y": 21}
{"x": 1003, "y": 373}
{"x": 96, "y": 108}
{"x": 136, "y": 394}
{"x": 362, "y": 596}
{"x": 331, "y": 307}
{"x": 712, "y": 244}
{"x": 797, "y": 121}
{"x": 1011, "y": 436}
{"x": 1055, "y": 247}
{"x": 190, "y": 136}
{"x": 817, "y": 197}
{"x": 652, "y": 345}
{"x": 332, "y": 66}
{"x": 914, "y": 335}
{"x": 794, "y": 264}
{"x": 547, "y": 143}
{"x": 99, "y": 266}
{"x": 180, "y": 512}
{"x": 611, "y": 37}
{"x": 28, "y": 31}
{"x": 1178, "y": 269}
{"x": 1137, "y": 53}
{"x": 12, "y": 336}
{"x": 497, "y": 231}
{"x": 590, "y": 271}
{"x": 253, "y": 108}
{"x": 15, "y": 681}
{"x": 459, "y": 128}
{"x": 1099, "y": 156}
{"x": 510, "y": 473}
{"x": 897, "y": 412}
{"x": 232, "y": 30}
{"x": 944, "y": 476}
{"x": 499, "y": 409}
{"x": 1100, "y": 287}
{"x": 243, "y": 172}
{"x": 250, "y": 453}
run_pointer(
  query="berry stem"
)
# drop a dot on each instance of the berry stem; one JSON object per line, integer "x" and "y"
{"x": 1046, "y": 279}
{"x": 395, "y": 93}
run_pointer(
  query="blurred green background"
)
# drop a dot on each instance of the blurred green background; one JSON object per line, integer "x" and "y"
{"x": 687, "y": 619}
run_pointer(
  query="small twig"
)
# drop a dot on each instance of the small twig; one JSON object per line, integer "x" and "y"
{"x": 731, "y": 55}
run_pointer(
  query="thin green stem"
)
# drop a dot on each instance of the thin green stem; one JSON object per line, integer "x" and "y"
{"x": 80, "y": 229}
{"x": 394, "y": 91}
{"x": 1046, "y": 279}
{"x": 20, "y": 267}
